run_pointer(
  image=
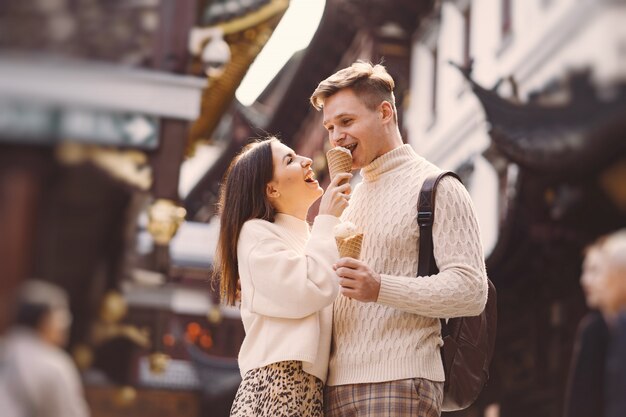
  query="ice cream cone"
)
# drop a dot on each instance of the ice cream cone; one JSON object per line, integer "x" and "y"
{"x": 350, "y": 247}
{"x": 339, "y": 160}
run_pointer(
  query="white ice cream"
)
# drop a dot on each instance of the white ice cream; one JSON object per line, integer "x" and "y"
{"x": 345, "y": 230}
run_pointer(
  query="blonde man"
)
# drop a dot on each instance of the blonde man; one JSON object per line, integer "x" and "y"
{"x": 385, "y": 356}
{"x": 612, "y": 281}
{"x": 612, "y": 303}
{"x": 597, "y": 377}
{"x": 584, "y": 394}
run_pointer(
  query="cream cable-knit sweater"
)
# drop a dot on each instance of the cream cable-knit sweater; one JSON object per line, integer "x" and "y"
{"x": 287, "y": 290}
{"x": 398, "y": 336}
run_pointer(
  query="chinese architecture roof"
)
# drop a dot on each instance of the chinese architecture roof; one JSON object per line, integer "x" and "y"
{"x": 569, "y": 153}
{"x": 566, "y": 139}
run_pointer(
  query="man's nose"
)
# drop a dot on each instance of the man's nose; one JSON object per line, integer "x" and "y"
{"x": 336, "y": 138}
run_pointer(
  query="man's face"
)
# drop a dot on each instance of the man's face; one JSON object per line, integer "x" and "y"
{"x": 354, "y": 126}
{"x": 591, "y": 278}
{"x": 55, "y": 326}
{"x": 612, "y": 292}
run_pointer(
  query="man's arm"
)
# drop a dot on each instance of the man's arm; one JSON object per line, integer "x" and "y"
{"x": 460, "y": 288}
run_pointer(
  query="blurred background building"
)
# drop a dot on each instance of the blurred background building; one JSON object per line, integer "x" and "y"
{"x": 119, "y": 118}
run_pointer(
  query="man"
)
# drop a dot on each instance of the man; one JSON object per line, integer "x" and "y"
{"x": 385, "y": 356}
{"x": 612, "y": 302}
{"x": 584, "y": 394}
{"x": 37, "y": 378}
{"x": 597, "y": 378}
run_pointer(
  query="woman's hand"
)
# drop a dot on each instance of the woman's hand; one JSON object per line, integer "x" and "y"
{"x": 335, "y": 199}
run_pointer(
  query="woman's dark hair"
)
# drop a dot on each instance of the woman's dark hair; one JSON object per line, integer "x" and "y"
{"x": 242, "y": 197}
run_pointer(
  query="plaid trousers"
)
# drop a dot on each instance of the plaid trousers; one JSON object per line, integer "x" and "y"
{"x": 406, "y": 397}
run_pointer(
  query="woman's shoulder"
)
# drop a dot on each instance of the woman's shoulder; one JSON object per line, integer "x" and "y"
{"x": 258, "y": 229}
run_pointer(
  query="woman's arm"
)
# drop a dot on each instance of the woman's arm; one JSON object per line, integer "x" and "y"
{"x": 284, "y": 283}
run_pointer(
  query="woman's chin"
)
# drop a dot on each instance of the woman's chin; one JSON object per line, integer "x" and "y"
{"x": 316, "y": 193}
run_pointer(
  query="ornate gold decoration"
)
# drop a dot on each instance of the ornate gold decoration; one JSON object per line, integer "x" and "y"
{"x": 125, "y": 396}
{"x": 165, "y": 217}
{"x": 246, "y": 37}
{"x": 129, "y": 166}
{"x": 112, "y": 310}
{"x": 214, "y": 315}
{"x": 113, "y": 307}
{"x": 83, "y": 356}
{"x": 158, "y": 362}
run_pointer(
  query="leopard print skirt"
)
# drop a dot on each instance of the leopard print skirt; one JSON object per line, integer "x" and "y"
{"x": 280, "y": 389}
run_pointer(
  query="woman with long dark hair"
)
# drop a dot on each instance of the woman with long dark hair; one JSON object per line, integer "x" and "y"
{"x": 285, "y": 271}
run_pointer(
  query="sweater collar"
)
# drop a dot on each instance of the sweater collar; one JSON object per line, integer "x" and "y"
{"x": 388, "y": 162}
{"x": 294, "y": 224}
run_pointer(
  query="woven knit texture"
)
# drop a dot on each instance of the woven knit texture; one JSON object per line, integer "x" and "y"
{"x": 398, "y": 336}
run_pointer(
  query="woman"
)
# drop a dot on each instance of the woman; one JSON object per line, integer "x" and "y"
{"x": 285, "y": 271}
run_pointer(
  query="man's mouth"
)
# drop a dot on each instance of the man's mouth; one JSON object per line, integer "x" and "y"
{"x": 351, "y": 147}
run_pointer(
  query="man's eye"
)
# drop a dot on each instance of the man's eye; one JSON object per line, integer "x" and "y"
{"x": 346, "y": 121}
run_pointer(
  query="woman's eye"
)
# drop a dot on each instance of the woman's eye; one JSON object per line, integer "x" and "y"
{"x": 346, "y": 121}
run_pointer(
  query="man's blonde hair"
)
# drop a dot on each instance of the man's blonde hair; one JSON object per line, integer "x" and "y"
{"x": 614, "y": 246}
{"x": 371, "y": 83}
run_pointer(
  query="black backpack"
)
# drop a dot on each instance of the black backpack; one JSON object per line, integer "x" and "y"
{"x": 468, "y": 342}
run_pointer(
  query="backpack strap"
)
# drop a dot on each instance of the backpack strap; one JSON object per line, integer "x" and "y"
{"x": 425, "y": 218}
{"x": 426, "y": 264}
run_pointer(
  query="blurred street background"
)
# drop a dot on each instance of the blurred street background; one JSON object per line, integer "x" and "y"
{"x": 118, "y": 119}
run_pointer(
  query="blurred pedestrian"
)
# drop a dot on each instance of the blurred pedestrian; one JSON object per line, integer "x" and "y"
{"x": 285, "y": 270}
{"x": 584, "y": 395}
{"x": 597, "y": 379}
{"x": 612, "y": 300}
{"x": 386, "y": 356}
{"x": 37, "y": 377}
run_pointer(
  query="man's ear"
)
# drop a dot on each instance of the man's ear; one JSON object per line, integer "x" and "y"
{"x": 271, "y": 191}
{"x": 386, "y": 111}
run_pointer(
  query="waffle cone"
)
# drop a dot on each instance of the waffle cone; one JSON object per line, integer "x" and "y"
{"x": 338, "y": 162}
{"x": 350, "y": 247}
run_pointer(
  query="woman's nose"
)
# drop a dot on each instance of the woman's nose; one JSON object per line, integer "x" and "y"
{"x": 306, "y": 162}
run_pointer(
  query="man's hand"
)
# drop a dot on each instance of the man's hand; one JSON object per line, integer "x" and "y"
{"x": 357, "y": 280}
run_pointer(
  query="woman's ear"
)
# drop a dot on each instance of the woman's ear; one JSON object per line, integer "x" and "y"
{"x": 271, "y": 191}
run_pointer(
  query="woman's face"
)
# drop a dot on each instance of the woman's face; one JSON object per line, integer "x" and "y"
{"x": 294, "y": 187}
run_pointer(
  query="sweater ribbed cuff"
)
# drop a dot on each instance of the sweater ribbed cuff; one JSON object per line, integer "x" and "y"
{"x": 390, "y": 287}
{"x": 323, "y": 226}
